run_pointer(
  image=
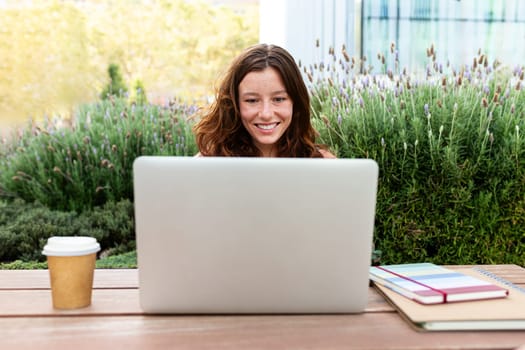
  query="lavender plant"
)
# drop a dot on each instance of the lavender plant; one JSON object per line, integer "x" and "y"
{"x": 90, "y": 162}
{"x": 450, "y": 147}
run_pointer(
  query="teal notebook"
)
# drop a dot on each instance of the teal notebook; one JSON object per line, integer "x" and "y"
{"x": 428, "y": 283}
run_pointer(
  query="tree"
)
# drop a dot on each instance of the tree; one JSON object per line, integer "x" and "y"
{"x": 176, "y": 49}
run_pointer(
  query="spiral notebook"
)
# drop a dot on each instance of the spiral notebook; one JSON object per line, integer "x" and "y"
{"x": 489, "y": 314}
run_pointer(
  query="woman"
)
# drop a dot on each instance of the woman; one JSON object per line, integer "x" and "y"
{"x": 262, "y": 109}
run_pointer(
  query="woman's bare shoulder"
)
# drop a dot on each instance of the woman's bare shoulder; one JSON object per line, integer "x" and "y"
{"x": 326, "y": 154}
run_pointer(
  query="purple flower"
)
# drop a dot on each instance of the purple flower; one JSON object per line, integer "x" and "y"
{"x": 468, "y": 75}
{"x": 339, "y": 119}
{"x": 365, "y": 81}
{"x": 427, "y": 112}
{"x": 398, "y": 90}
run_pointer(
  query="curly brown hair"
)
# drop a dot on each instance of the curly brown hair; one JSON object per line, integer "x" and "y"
{"x": 220, "y": 131}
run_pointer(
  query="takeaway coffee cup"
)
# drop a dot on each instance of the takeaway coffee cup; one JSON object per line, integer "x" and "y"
{"x": 71, "y": 263}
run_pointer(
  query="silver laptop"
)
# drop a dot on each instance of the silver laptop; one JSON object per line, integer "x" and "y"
{"x": 253, "y": 235}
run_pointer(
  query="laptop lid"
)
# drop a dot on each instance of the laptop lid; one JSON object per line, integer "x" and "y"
{"x": 254, "y": 235}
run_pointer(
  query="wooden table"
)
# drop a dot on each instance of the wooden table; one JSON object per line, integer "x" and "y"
{"x": 115, "y": 321}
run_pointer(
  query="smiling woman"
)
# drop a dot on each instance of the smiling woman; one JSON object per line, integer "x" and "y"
{"x": 262, "y": 108}
{"x": 265, "y": 108}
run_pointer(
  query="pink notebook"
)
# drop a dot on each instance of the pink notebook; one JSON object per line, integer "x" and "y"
{"x": 428, "y": 283}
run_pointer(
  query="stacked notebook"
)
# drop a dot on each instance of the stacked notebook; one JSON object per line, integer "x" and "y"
{"x": 432, "y": 284}
{"x": 433, "y": 297}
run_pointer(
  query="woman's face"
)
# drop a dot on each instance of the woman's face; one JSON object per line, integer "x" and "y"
{"x": 266, "y": 109}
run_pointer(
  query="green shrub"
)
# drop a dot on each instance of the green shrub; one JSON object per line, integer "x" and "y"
{"x": 24, "y": 228}
{"x": 23, "y": 265}
{"x": 450, "y": 148}
{"x": 451, "y": 153}
{"x": 90, "y": 163}
{"x": 116, "y": 86}
{"x": 121, "y": 261}
{"x": 138, "y": 94}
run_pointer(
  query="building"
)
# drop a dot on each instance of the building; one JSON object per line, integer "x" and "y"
{"x": 457, "y": 29}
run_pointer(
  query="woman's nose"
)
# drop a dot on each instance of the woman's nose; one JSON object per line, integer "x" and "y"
{"x": 266, "y": 110}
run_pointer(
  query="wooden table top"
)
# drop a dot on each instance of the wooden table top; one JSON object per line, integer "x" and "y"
{"x": 115, "y": 320}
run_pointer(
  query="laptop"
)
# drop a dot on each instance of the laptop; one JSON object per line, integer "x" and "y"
{"x": 226, "y": 235}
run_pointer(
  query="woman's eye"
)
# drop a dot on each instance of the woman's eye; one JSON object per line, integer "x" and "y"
{"x": 250, "y": 100}
{"x": 280, "y": 99}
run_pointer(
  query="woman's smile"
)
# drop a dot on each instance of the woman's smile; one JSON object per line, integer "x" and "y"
{"x": 267, "y": 127}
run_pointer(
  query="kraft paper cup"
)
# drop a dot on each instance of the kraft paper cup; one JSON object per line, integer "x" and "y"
{"x": 71, "y": 264}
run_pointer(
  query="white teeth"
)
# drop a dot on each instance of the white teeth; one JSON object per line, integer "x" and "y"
{"x": 267, "y": 126}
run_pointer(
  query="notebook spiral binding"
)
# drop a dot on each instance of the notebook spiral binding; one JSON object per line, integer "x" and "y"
{"x": 500, "y": 279}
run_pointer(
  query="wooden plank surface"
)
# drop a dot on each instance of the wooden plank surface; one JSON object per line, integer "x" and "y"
{"x": 367, "y": 331}
{"x": 37, "y": 302}
{"x": 115, "y": 320}
{"x": 128, "y": 278}
{"x": 27, "y": 292}
{"x": 39, "y": 279}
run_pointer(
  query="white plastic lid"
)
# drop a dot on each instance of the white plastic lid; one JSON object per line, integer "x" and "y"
{"x": 70, "y": 246}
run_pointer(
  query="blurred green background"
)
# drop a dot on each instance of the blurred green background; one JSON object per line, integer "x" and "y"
{"x": 55, "y": 54}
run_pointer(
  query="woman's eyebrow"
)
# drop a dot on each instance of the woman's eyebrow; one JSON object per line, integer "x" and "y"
{"x": 253, "y": 93}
